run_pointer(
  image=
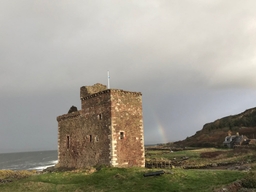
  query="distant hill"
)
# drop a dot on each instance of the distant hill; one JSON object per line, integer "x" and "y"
{"x": 213, "y": 134}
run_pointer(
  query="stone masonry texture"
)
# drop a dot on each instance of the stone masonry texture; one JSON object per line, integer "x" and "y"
{"x": 108, "y": 130}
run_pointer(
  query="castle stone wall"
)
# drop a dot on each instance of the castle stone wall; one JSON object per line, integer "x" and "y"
{"x": 108, "y": 130}
{"x": 127, "y": 129}
{"x": 89, "y": 134}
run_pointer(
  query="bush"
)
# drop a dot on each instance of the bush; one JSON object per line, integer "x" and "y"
{"x": 250, "y": 180}
{"x": 212, "y": 154}
{"x": 10, "y": 174}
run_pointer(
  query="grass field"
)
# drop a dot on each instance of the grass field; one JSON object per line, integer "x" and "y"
{"x": 132, "y": 179}
{"x": 204, "y": 156}
{"x": 120, "y": 179}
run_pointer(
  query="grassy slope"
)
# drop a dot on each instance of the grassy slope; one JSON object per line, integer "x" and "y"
{"x": 213, "y": 134}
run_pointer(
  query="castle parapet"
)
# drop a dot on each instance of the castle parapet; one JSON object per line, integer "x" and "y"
{"x": 86, "y": 91}
{"x": 126, "y": 92}
{"x": 68, "y": 116}
{"x": 88, "y": 96}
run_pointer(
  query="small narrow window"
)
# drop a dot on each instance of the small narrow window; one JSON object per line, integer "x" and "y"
{"x": 68, "y": 141}
{"x": 90, "y": 138}
{"x": 121, "y": 135}
{"x": 99, "y": 116}
{"x": 96, "y": 138}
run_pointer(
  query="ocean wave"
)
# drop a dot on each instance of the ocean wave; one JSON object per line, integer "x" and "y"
{"x": 37, "y": 160}
{"x": 44, "y": 166}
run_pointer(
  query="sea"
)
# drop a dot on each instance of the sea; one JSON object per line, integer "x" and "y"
{"x": 36, "y": 160}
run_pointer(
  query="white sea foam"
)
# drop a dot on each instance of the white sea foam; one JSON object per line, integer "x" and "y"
{"x": 54, "y": 162}
{"x": 46, "y": 165}
{"x": 37, "y": 160}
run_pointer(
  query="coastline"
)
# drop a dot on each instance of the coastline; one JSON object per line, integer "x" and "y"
{"x": 34, "y": 160}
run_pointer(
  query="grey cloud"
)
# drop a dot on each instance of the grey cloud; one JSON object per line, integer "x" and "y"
{"x": 192, "y": 59}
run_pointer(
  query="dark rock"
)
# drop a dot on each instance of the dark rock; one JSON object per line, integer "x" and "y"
{"x": 5, "y": 180}
{"x": 72, "y": 109}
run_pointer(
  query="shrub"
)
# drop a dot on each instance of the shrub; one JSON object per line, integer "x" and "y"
{"x": 212, "y": 154}
{"x": 9, "y": 174}
{"x": 250, "y": 180}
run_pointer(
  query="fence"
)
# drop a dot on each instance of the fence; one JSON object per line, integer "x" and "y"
{"x": 159, "y": 164}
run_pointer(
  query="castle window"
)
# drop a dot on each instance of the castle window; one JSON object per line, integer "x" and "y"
{"x": 99, "y": 116}
{"x": 68, "y": 141}
{"x": 121, "y": 135}
{"x": 96, "y": 138}
{"x": 90, "y": 138}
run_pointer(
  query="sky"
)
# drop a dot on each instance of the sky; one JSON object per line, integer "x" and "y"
{"x": 194, "y": 61}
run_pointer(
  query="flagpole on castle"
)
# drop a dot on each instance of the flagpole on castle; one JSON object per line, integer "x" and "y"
{"x": 108, "y": 81}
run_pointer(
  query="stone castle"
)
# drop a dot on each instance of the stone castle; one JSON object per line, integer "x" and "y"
{"x": 108, "y": 130}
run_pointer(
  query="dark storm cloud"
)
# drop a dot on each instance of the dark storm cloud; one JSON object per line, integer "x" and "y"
{"x": 194, "y": 61}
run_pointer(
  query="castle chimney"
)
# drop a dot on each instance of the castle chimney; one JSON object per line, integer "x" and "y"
{"x": 229, "y": 133}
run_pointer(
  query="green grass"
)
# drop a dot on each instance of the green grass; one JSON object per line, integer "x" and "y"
{"x": 132, "y": 179}
{"x": 167, "y": 155}
{"x": 120, "y": 179}
{"x": 194, "y": 158}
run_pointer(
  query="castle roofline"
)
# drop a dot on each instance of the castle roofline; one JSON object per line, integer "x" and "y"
{"x": 110, "y": 91}
{"x": 68, "y": 116}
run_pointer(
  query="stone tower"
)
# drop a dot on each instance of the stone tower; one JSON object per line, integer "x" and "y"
{"x": 108, "y": 130}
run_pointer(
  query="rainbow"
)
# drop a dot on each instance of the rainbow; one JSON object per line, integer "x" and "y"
{"x": 161, "y": 129}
